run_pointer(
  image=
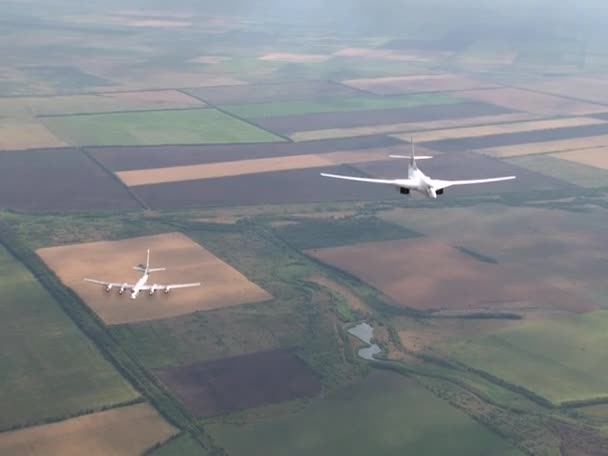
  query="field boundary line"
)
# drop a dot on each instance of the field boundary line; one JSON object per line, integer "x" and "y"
{"x": 114, "y": 177}
{"x": 127, "y": 111}
{"x": 563, "y": 97}
{"x": 242, "y": 119}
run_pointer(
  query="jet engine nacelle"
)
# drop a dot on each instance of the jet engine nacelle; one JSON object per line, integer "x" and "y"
{"x": 122, "y": 289}
{"x": 167, "y": 290}
{"x": 439, "y": 192}
{"x": 109, "y": 288}
{"x": 404, "y": 191}
{"x": 153, "y": 289}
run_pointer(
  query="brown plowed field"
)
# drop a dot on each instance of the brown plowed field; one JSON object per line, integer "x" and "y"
{"x": 330, "y": 133}
{"x": 185, "y": 260}
{"x": 137, "y": 158}
{"x": 59, "y": 180}
{"x": 243, "y": 167}
{"x": 546, "y": 147}
{"x": 225, "y": 385}
{"x": 120, "y": 431}
{"x": 298, "y": 123}
{"x": 430, "y": 275}
{"x": 417, "y": 83}
{"x": 281, "y": 91}
{"x": 514, "y": 127}
{"x": 536, "y": 103}
{"x": 282, "y": 187}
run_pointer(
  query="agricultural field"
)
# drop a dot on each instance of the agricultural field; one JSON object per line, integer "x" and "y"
{"x": 417, "y": 83}
{"x": 297, "y": 123}
{"x": 560, "y": 359}
{"x": 133, "y": 429}
{"x": 97, "y": 103}
{"x": 25, "y": 133}
{"x": 185, "y": 260}
{"x": 515, "y": 127}
{"x": 59, "y": 180}
{"x": 191, "y": 126}
{"x": 446, "y": 278}
{"x": 50, "y": 369}
{"x": 573, "y": 171}
{"x": 533, "y": 102}
{"x": 597, "y": 158}
{"x": 338, "y": 105}
{"x": 546, "y": 147}
{"x": 139, "y": 158}
{"x": 333, "y": 133}
{"x": 226, "y": 385}
{"x": 384, "y": 414}
{"x": 586, "y": 88}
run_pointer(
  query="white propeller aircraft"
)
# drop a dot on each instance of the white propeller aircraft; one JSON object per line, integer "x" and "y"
{"x": 142, "y": 283}
{"x": 417, "y": 180}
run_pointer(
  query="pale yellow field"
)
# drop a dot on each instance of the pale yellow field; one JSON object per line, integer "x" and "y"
{"x": 260, "y": 165}
{"x": 332, "y": 133}
{"x": 535, "y": 103}
{"x": 417, "y": 83}
{"x": 185, "y": 260}
{"x": 117, "y": 432}
{"x": 546, "y": 147}
{"x": 19, "y": 134}
{"x": 597, "y": 157}
{"x": 517, "y": 127}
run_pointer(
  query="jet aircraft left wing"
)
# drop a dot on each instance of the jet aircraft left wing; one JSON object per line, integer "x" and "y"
{"x": 126, "y": 286}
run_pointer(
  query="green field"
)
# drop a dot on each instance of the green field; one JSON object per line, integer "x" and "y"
{"x": 319, "y": 233}
{"x": 384, "y": 415}
{"x": 559, "y": 359}
{"x": 575, "y": 173}
{"x": 345, "y": 104}
{"x": 184, "y": 445}
{"x": 49, "y": 369}
{"x": 197, "y": 126}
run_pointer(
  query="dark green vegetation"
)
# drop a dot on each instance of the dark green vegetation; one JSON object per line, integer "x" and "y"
{"x": 362, "y": 419}
{"x": 50, "y": 370}
{"x": 181, "y": 445}
{"x": 190, "y": 126}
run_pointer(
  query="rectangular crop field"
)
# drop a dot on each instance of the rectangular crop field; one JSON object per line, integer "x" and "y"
{"x": 244, "y": 167}
{"x": 97, "y": 103}
{"x": 445, "y": 278}
{"x": 49, "y": 368}
{"x": 26, "y": 133}
{"x": 417, "y": 83}
{"x": 385, "y": 414}
{"x": 58, "y": 180}
{"x": 299, "y": 123}
{"x": 345, "y": 104}
{"x": 561, "y": 359}
{"x": 120, "y": 431}
{"x": 580, "y": 174}
{"x": 545, "y": 147}
{"x": 533, "y": 102}
{"x": 138, "y": 158}
{"x": 330, "y": 133}
{"x": 597, "y": 158}
{"x": 592, "y": 89}
{"x": 515, "y": 127}
{"x": 272, "y": 92}
{"x": 185, "y": 260}
{"x": 191, "y": 126}
{"x": 225, "y": 385}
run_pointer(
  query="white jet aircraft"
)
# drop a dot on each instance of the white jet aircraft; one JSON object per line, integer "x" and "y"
{"x": 142, "y": 283}
{"x": 417, "y": 180}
